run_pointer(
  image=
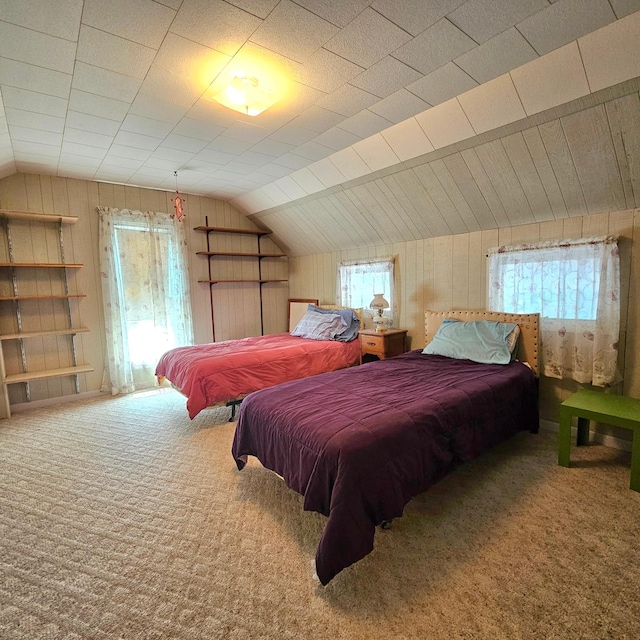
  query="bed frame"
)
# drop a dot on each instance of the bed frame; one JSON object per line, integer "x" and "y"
{"x": 529, "y": 323}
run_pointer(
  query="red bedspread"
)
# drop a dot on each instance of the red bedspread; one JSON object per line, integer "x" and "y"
{"x": 211, "y": 373}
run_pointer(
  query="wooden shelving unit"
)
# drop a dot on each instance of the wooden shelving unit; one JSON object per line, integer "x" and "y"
{"x": 259, "y": 255}
{"x": 17, "y": 299}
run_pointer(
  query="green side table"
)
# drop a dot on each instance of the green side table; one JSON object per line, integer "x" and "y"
{"x": 586, "y": 404}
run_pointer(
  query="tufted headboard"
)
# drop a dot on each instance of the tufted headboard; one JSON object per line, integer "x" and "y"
{"x": 528, "y": 345}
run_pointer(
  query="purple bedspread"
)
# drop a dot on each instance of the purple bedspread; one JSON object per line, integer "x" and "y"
{"x": 359, "y": 443}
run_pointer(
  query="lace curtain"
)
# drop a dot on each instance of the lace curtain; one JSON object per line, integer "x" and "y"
{"x": 359, "y": 280}
{"x": 145, "y": 290}
{"x": 575, "y": 286}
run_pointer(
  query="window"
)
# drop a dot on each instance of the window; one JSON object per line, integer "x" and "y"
{"x": 360, "y": 280}
{"x": 145, "y": 287}
{"x": 575, "y": 287}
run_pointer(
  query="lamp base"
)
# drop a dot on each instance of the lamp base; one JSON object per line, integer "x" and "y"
{"x": 380, "y": 324}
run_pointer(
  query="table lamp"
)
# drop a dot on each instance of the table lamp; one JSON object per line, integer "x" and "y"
{"x": 379, "y": 303}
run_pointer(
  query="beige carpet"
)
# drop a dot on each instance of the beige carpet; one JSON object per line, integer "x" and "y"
{"x": 120, "y": 518}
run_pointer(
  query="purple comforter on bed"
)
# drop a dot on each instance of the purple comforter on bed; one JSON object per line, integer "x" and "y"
{"x": 359, "y": 443}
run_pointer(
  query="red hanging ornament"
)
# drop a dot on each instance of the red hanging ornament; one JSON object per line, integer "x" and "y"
{"x": 178, "y": 203}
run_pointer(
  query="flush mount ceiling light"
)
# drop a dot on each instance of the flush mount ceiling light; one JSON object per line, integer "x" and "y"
{"x": 245, "y": 94}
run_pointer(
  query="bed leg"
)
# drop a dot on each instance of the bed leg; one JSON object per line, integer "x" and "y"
{"x": 234, "y": 404}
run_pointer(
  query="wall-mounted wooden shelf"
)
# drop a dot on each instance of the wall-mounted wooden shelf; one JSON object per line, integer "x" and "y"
{"x": 21, "y": 335}
{"x": 236, "y": 254}
{"x": 41, "y": 265}
{"x": 56, "y": 297}
{"x": 37, "y": 217}
{"x": 12, "y": 378}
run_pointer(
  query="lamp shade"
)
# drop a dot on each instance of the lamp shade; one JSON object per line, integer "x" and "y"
{"x": 378, "y": 302}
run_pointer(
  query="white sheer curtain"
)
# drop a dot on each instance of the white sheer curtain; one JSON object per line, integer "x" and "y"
{"x": 145, "y": 290}
{"x": 575, "y": 286}
{"x": 359, "y": 280}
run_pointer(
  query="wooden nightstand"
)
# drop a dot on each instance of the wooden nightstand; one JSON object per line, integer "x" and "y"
{"x": 383, "y": 344}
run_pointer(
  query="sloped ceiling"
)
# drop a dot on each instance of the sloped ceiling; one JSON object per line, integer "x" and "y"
{"x": 407, "y": 118}
{"x": 580, "y": 158}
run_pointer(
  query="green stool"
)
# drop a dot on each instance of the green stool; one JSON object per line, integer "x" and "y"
{"x": 620, "y": 411}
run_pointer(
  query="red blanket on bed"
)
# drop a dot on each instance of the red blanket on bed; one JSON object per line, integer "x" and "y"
{"x": 211, "y": 373}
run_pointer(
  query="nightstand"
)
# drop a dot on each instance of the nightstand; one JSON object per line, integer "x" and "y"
{"x": 383, "y": 344}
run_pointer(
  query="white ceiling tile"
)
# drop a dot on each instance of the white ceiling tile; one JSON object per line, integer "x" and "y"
{"x": 313, "y": 151}
{"x": 87, "y": 138}
{"x": 119, "y": 151}
{"x": 492, "y": 104}
{"x": 293, "y": 135}
{"x": 40, "y": 49}
{"x": 232, "y": 25}
{"x": 145, "y": 126}
{"x": 435, "y": 47}
{"x": 74, "y": 159}
{"x": 335, "y": 11}
{"x": 551, "y": 80}
{"x": 148, "y": 107}
{"x": 327, "y": 172}
{"x": 272, "y": 147}
{"x": 93, "y": 124}
{"x": 5, "y": 140}
{"x": 445, "y": 124}
{"x": 307, "y": 180}
{"x": 136, "y": 140}
{"x": 93, "y": 105}
{"x": 607, "y": 56}
{"x": 347, "y": 100}
{"x": 34, "y": 120}
{"x": 399, "y": 106}
{"x": 246, "y": 132}
{"x": 168, "y": 165}
{"x": 27, "y": 76}
{"x": 386, "y": 77}
{"x": 625, "y": 7}
{"x": 206, "y": 110}
{"x": 197, "y": 129}
{"x": 564, "y": 21}
{"x": 79, "y": 171}
{"x": 171, "y": 155}
{"x": 415, "y": 16}
{"x": 183, "y": 57}
{"x": 116, "y": 54}
{"x": 504, "y": 52}
{"x": 291, "y": 188}
{"x": 364, "y": 124}
{"x": 32, "y": 101}
{"x": 442, "y": 84}
{"x": 407, "y": 139}
{"x": 367, "y": 39}
{"x": 105, "y": 83}
{"x": 60, "y": 19}
{"x": 260, "y": 8}
{"x": 229, "y": 145}
{"x": 110, "y": 175}
{"x": 32, "y": 135}
{"x": 183, "y": 143}
{"x": 163, "y": 85}
{"x": 254, "y": 158}
{"x": 483, "y": 19}
{"x": 294, "y": 32}
{"x": 276, "y": 194}
{"x": 274, "y": 170}
{"x": 376, "y": 152}
{"x": 214, "y": 156}
{"x": 83, "y": 150}
{"x": 317, "y": 119}
{"x": 349, "y": 163}
{"x": 34, "y": 163}
{"x": 291, "y": 161}
{"x": 337, "y": 138}
{"x": 113, "y": 162}
{"x": 150, "y": 172}
{"x": 327, "y": 71}
{"x": 124, "y": 17}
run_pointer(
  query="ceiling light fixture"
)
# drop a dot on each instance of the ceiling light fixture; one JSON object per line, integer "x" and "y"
{"x": 245, "y": 94}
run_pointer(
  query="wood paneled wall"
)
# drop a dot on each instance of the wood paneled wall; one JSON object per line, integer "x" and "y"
{"x": 236, "y": 305}
{"x": 450, "y": 272}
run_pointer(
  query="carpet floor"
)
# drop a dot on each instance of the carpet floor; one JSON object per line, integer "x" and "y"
{"x": 122, "y": 519}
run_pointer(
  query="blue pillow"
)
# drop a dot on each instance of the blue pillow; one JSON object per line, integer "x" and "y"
{"x": 319, "y": 326}
{"x": 483, "y": 341}
{"x": 351, "y": 320}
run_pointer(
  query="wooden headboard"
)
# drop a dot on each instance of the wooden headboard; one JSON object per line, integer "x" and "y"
{"x": 528, "y": 345}
{"x": 298, "y": 306}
